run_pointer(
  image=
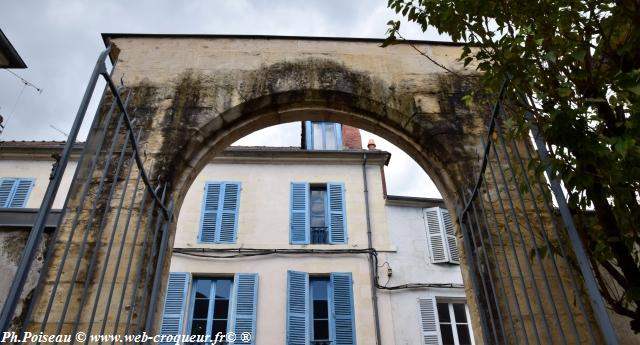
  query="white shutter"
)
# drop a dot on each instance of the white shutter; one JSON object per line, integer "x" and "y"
{"x": 435, "y": 235}
{"x": 429, "y": 321}
{"x": 450, "y": 236}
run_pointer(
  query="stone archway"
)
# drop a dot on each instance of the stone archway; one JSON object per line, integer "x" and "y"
{"x": 195, "y": 95}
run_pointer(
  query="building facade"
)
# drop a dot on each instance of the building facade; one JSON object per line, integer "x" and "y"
{"x": 292, "y": 245}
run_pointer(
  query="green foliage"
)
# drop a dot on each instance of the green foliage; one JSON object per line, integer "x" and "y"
{"x": 575, "y": 66}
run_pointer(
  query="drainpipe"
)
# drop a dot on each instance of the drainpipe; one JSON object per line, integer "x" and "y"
{"x": 372, "y": 269}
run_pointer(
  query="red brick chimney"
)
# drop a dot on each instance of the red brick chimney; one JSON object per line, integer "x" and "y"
{"x": 351, "y": 138}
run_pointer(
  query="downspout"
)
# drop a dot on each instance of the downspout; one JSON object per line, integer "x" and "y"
{"x": 372, "y": 270}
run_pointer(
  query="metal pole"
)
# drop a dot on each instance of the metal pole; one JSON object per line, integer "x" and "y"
{"x": 37, "y": 230}
{"x": 599, "y": 309}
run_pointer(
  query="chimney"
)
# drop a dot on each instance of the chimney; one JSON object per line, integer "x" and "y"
{"x": 351, "y": 138}
{"x": 371, "y": 145}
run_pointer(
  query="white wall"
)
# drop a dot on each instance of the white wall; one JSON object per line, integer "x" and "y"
{"x": 412, "y": 264}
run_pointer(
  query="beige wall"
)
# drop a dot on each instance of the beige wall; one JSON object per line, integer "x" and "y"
{"x": 263, "y": 222}
{"x": 40, "y": 170}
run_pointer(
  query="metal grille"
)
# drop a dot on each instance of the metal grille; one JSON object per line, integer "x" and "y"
{"x": 532, "y": 282}
{"x": 103, "y": 268}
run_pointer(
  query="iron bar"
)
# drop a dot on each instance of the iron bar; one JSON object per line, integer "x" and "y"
{"x": 35, "y": 236}
{"x": 597, "y": 303}
{"x": 531, "y": 233}
{"x": 513, "y": 248}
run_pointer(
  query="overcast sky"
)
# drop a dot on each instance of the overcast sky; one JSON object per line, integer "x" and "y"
{"x": 60, "y": 40}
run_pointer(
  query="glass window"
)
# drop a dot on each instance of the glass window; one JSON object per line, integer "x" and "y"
{"x": 318, "y": 215}
{"x": 320, "y": 333}
{"x": 210, "y": 306}
{"x": 454, "y": 325}
{"x": 324, "y": 136}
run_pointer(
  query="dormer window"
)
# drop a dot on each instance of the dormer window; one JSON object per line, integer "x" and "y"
{"x": 323, "y": 135}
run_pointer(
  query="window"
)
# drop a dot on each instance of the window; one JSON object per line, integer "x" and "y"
{"x": 317, "y": 214}
{"x": 219, "y": 217}
{"x": 320, "y": 309}
{"x": 211, "y": 305}
{"x": 445, "y": 322}
{"x": 14, "y": 192}
{"x": 441, "y": 236}
{"x": 323, "y": 135}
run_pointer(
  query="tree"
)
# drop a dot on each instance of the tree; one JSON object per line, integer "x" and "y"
{"x": 577, "y": 63}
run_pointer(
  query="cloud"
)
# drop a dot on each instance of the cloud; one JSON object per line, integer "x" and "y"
{"x": 60, "y": 40}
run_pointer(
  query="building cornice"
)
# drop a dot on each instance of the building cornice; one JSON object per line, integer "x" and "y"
{"x": 409, "y": 201}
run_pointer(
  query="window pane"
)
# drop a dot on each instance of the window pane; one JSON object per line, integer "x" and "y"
{"x": 331, "y": 138}
{"x": 221, "y": 309}
{"x": 203, "y": 288}
{"x": 200, "y": 308}
{"x": 459, "y": 312}
{"x": 321, "y": 330}
{"x": 320, "y": 310}
{"x": 464, "y": 337}
{"x": 219, "y": 326}
{"x": 199, "y": 327}
{"x": 223, "y": 288}
{"x": 443, "y": 312}
{"x": 319, "y": 288}
{"x": 447, "y": 335}
{"x": 318, "y": 138}
{"x": 317, "y": 206}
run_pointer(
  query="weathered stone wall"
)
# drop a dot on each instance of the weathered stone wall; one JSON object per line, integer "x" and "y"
{"x": 193, "y": 96}
{"x": 12, "y": 242}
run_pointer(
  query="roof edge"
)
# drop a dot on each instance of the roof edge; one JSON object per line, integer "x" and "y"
{"x": 15, "y": 61}
{"x": 107, "y": 35}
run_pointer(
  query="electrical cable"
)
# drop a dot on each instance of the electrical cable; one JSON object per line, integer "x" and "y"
{"x": 230, "y": 253}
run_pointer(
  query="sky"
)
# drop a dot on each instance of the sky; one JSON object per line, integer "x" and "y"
{"x": 60, "y": 41}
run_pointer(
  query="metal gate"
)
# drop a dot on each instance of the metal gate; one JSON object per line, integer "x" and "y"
{"x": 115, "y": 239}
{"x": 532, "y": 279}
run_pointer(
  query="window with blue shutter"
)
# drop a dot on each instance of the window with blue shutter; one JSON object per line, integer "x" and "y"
{"x": 14, "y": 192}
{"x": 299, "y": 219}
{"x": 219, "y": 216}
{"x": 174, "y": 303}
{"x": 317, "y": 214}
{"x": 298, "y": 330}
{"x": 341, "y": 301}
{"x": 337, "y": 219}
{"x": 320, "y": 309}
{"x": 244, "y": 307}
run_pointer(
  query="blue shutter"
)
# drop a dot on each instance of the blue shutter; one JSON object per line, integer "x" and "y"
{"x": 435, "y": 235}
{"x": 209, "y": 216}
{"x": 229, "y": 212}
{"x": 337, "y": 217}
{"x": 308, "y": 135}
{"x": 174, "y": 303}
{"x": 299, "y": 222}
{"x": 244, "y": 307}
{"x": 298, "y": 330}
{"x": 6, "y": 190}
{"x": 341, "y": 300}
{"x": 21, "y": 191}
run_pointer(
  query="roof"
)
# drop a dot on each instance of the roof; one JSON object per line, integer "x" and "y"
{"x": 16, "y": 149}
{"x": 107, "y": 36}
{"x": 9, "y": 57}
{"x": 410, "y": 201}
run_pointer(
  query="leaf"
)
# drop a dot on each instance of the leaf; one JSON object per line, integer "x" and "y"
{"x": 564, "y": 91}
